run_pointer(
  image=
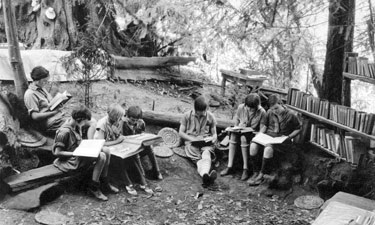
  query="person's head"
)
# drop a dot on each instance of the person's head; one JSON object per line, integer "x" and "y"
{"x": 81, "y": 114}
{"x": 252, "y": 101}
{"x": 3, "y": 140}
{"x": 134, "y": 113}
{"x": 40, "y": 75}
{"x": 115, "y": 113}
{"x": 200, "y": 105}
{"x": 274, "y": 103}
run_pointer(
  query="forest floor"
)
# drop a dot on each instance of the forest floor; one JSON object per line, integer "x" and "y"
{"x": 182, "y": 200}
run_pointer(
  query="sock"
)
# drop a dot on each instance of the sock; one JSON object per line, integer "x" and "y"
{"x": 266, "y": 164}
{"x": 255, "y": 163}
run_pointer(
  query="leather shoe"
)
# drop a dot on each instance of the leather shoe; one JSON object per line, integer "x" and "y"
{"x": 226, "y": 171}
{"x": 206, "y": 179}
{"x": 245, "y": 174}
{"x": 213, "y": 176}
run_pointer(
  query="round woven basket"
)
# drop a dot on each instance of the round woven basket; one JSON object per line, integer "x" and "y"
{"x": 31, "y": 138}
{"x": 308, "y": 202}
{"x": 180, "y": 151}
{"x": 170, "y": 137}
{"x": 162, "y": 151}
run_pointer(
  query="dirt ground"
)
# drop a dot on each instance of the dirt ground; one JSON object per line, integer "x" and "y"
{"x": 182, "y": 200}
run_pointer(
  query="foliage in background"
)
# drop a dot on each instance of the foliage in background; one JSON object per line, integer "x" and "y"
{"x": 87, "y": 63}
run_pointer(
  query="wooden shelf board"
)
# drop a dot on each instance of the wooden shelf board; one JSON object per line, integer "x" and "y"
{"x": 359, "y": 77}
{"x": 330, "y": 122}
{"x": 325, "y": 150}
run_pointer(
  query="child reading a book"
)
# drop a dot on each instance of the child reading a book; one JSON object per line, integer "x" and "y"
{"x": 249, "y": 114}
{"x": 67, "y": 140}
{"x": 196, "y": 125}
{"x": 279, "y": 121}
{"x": 38, "y": 102}
{"x": 109, "y": 128}
{"x": 134, "y": 124}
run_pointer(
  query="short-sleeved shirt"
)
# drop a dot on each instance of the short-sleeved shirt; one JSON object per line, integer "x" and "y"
{"x": 283, "y": 124}
{"x": 37, "y": 99}
{"x": 68, "y": 138}
{"x": 198, "y": 126}
{"x": 250, "y": 118}
{"x": 130, "y": 129}
{"x": 111, "y": 132}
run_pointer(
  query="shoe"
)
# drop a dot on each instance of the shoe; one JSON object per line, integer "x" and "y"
{"x": 257, "y": 181}
{"x": 213, "y": 176}
{"x": 146, "y": 189}
{"x": 107, "y": 187}
{"x": 97, "y": 194}
{"x": 159, "y": 176}
{"x": 255, "y": 174}
{"x": 206, "y": 179}
{"x": 245, "y": 174}
{"x": 130, "y": 189}
{"x": 226, "y": 171}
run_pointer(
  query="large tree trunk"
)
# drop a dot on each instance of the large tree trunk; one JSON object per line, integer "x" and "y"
{"x": 341, "y": 19}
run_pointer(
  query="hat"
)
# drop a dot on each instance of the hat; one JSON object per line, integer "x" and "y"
{"x": 50, "y": 13}
{"x": 39, "y": 73}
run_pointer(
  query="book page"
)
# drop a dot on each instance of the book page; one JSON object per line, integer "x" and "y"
{"x": 139, "y": 139}
{"x": 125, "y": 150}
{"x": 58, "y": 99}
{"x": 265, "y": 139}
{"x": 89, "y": 148}
{"x": 238, "y": 129}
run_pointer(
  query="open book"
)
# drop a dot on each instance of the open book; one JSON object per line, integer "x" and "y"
{"x": 133, "y": 144}
{"x": 89, "y": 148}
{"x": 265, "y": 139}
{"x": 240, "y": 130}
{"x": 60, "y": 98}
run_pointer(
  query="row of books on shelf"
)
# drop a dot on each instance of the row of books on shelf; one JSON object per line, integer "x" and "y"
{"x": 346, "y": 146}
{"x": 361, "y": 121}
{"x": 359, "y": 65}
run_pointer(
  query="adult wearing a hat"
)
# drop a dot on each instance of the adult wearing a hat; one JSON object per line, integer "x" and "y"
{"x": 279, "y": 121}
{"x": 37, "y": 100}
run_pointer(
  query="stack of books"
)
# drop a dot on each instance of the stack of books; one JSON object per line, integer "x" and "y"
{"x": 361, "y": 121}
{"x": 358, "y": 65}
{"x": 348, "y": 146}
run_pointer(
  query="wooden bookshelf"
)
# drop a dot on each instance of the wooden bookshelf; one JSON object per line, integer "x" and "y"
{"x": 330, "y": 122}
{"x": 359, "y": 77}
{"x": 325, "y": 150}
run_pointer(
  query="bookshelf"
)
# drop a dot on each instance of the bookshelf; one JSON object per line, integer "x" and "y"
{"x": 325, "y": 150}
{"x": 359, "y": 77}
{"x": 331, "y": 122}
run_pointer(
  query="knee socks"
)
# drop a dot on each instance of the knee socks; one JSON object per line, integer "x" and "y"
{"x": 266, "y": 164}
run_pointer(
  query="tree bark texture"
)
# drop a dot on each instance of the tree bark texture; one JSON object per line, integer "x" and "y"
{"x": 20, "y": 81}
{"x": 338, "y": 35}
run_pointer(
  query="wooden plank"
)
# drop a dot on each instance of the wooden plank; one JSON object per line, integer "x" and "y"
{"x": 358, "y": 77}
{"x": 150, "y": 62}
{"x": 41, "y": 174}
{"x": 325, "y": 149}
{"x": 330, "y": 122}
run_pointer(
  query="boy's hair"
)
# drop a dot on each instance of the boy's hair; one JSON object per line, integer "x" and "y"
{"x": 80, "y": 113}
{"x": 3, "y": 139}
{"x": 273, "y": 100}
{"x": 252, "y": 100}
{"x": 200, "y": 104}
{"x": 115, "y": 112}
{"x": 135, "y": 112}
{"x": 38, "y": 73}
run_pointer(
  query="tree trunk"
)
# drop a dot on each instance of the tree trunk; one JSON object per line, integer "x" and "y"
{"x": 150, "y": 62}
{"x": 20, "y": 81}
{"x": 341, "y": 19}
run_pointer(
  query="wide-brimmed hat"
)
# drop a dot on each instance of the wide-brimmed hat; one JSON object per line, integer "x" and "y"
{"x": 50, "y": 13}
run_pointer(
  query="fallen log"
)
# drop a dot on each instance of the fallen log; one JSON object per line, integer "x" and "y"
{"x": 173, "y": 119}
{"x": 149, "y": 62}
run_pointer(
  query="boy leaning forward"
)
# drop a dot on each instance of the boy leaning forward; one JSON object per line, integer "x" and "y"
{"x": 197, "y": 125}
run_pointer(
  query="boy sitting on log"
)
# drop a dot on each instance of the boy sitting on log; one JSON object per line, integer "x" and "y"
{"x": 249, "y": 114}
{"x": 37, "y": 101}
{"x": 109, "y": 128}
{"x": 197, "y": 126}
{"x": 134, "y": 124}
{"x": 279, "y": 121}
{"x": 67, "y": 140}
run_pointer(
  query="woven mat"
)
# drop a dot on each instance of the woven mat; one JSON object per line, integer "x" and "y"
{"x": 180, "y": 151}
{"x": 308, "y": 202}
{"x": 163, "y": 151}
{"x": 170, "y": 137}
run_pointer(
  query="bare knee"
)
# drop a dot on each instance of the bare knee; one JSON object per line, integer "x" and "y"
{"x": 244, "y": 141}
{"x": 268, "y": 152}
{"x": 102, "y": 157}
{"x": 254, "y": 148}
